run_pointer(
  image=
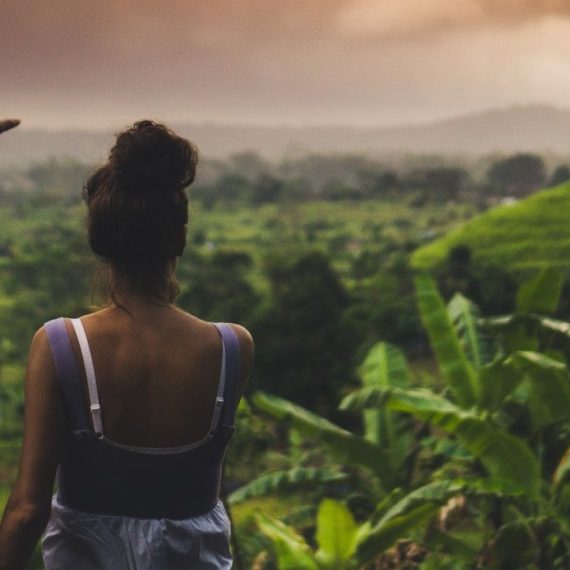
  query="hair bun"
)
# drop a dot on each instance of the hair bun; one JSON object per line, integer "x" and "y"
{"x": 149, "y": 157}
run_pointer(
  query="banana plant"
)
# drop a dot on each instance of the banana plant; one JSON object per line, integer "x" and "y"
{"x": 478, "y": 345}
{"x": 345, "y": 447}
{"x": 336, "y": 535}
{"x": 343, "y": 544}
{"x": 483, "y": 381}
{"x": 385, "y": 366}
{"x": 458, "y": 372}
{"x": 286, "y": 479}
{"x": 478, "y": 389}
{"x": 382, "y": 450}
{"x": 506, "y": 458}
{"x": 531, "y": 326}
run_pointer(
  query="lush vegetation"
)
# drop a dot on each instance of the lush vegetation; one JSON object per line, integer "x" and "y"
{"x": 523, "y": 236}
{"x": 392, "y": 419}
{"x": 495, "y": 496}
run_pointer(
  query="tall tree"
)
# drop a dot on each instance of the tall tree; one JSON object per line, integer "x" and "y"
{"x": 306, "y": 351}
{"x": 517, "y": 175}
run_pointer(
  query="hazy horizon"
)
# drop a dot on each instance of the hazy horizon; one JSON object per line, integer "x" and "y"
{"x": 291, "y": 63}
{"x": 436, "y": 120}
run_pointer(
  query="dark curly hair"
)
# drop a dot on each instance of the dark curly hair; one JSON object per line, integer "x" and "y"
{"x": 138, "y": 208}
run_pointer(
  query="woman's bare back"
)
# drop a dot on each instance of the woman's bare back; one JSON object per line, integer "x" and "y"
{"x": 157, "y": 373}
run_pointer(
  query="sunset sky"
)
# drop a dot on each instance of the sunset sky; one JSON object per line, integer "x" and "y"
{"x": 296, "y": 62}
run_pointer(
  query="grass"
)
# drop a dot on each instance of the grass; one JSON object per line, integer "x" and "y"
{"x": 521, "y": 237}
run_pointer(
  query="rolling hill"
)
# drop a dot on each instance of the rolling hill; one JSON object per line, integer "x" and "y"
{"x": 527, "y": 235}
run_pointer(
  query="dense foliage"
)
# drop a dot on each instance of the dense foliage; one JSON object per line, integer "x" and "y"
{"x": 498, "y": 498}
{"x": 312, "y": 255}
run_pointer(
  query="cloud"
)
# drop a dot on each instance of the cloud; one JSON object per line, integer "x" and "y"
{"x": 393, "y": 19}
{"x": 296, "y": 61}
{"x": 390, "y": 18}
{"x": 526, "y": 8}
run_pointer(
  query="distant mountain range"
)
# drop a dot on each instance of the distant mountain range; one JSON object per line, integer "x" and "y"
{"x": 538, "y": 128}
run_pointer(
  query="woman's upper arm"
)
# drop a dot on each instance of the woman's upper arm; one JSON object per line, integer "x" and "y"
{"x": 44, "y": 414}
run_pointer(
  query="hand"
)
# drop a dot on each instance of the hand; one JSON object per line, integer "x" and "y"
{"x": 7, "y": 124}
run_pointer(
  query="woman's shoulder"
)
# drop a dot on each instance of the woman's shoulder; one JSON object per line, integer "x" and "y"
{"x": 246, "y": 344}
{"x": 246, "y": 351}
{"x": 245, "y": 339}
{"x": 244, "y": 336}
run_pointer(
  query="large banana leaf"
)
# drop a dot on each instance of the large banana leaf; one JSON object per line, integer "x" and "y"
{"x": 541, "y": 294}
{"x": 549, "y": 387}
{"x": 496, "y": 382}
{"x": 507, "y": 458}
{"x": 456, "y": 369}
{"x": 285, "y": 479}
{"x": 409, "y": 513}
{"x": 291, "y": 550}
{"x": 344, "y": 445}
{"x": 385, "y": 365}
{"x": 336, "y": 534}
{"x": 438, "y": 492}
{"x": 477, "y": 345}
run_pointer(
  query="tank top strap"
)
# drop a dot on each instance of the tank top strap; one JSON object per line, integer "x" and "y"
{"x": 232, "y": 375}
{"x": 94, "y": 405}
{"x": 68, "y": 374}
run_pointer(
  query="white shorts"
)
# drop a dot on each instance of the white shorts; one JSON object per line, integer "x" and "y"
{"x": 75, "y": 539}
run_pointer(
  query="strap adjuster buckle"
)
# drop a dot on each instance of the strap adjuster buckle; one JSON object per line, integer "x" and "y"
{"x": 219, "y": 401}
{"x": 95, "y": 408}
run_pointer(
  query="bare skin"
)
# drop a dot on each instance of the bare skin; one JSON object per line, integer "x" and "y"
{"x": 157, "y": 370}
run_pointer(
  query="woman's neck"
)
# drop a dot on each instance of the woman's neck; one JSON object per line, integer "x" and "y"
{"x": 135, "y": 299}
{"x": 127, "y": 295}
